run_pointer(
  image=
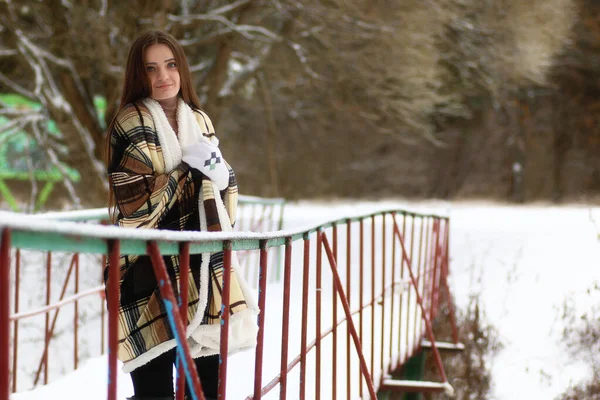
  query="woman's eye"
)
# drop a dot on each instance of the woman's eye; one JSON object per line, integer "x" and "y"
{"x": 172, "y": 64}
{"x": 149, "y": 69}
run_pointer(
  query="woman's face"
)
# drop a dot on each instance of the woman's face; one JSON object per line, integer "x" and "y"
{"x": 162, "y": 71}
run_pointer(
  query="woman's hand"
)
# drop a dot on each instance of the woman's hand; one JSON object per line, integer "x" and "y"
{"x": 207, "y": 159}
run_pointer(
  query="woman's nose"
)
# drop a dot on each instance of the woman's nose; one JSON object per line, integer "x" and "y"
{"x": 162, "y": 74}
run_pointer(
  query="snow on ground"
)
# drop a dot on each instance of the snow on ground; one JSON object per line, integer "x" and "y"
{"x": 524, "y": 261}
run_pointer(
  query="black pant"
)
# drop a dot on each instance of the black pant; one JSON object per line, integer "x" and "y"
{"x": 155, "y": 379}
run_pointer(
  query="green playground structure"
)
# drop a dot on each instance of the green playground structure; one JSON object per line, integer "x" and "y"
{"x": 22, "y": 159}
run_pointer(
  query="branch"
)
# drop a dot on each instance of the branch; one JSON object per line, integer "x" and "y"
{"x": 204, "y": 40}
{"x": 235, "y": 80}
{"x": 59, "y": 101}
{"x": 201, "y": 66}
{"x": 19, "y": 123}
{"x": 17, "y": 88}
{"x": 103, "y": 9}
{"x": 116, "y": 70}
{"x": 8, "y": 52}
{"x": 230, "y": 7}
{"x": 13, "y": 112}
{"x": 56, "y": 162}
{"x": 244, "y": 30}
{"x": 36, "y": 69}
{"x": 364, "y": 25}
{"x": 185, "y": 7}
{"x": 68, "y": 64}
{"x": 299, "y": 51}
{"x": 37, "y": 62}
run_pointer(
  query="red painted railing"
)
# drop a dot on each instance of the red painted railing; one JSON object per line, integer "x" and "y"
{"x": 254, "y": 214}
{"x": 390, "y": 295}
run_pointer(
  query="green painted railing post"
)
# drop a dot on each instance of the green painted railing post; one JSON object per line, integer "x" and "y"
{"x": 279, "y": 264}
{"x": 8, "y": 196}
{"x": 44, "y": 194}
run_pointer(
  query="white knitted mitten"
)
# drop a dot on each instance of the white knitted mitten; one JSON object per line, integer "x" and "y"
{"x": 207, "y": 159}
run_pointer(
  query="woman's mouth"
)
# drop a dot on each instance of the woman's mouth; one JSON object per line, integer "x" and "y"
{"x": 163, "y": 86}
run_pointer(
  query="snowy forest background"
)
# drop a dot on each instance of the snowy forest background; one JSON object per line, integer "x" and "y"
{"x": 437, "y": 98}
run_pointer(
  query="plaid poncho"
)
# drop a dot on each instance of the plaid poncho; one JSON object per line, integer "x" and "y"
{"x": 154, "y": 189}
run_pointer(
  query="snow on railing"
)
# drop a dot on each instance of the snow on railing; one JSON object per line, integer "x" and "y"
{"x": 87, "y": 288}
{"x": 255, "y": 214}
{"x": 386, "y": 290}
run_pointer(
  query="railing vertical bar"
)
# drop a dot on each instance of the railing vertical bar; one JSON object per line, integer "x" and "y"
{"x": 435, "y": 267}
{"x": 102, "y": 311}
{"x": 373, "y": 304}
{"x": 271, "y": 226}
{"x": 401, "y": 356}
{"x": 253, "y": 212}
{"x": 340, "y": 290}
{"x": 258, "y": 228}
{"x": 225, "y": 311}
{"x": 262, "y": 298}
{"x": 435, "y": 273}
{"x": 243, "y": 255}
{"x": 318, "y": 316}
{"x": 172, "y": 310}
{"x": 426, "y": 267}
{"x": 261, "y": 220}
{"x": 279, "y": 227}
{"x": 438, "y": 271}
{"x": 304, "y": 329}
{"x": 349, "y": 294}
{"x": 425, "y": 273}
{"x": 252, "y": 216}
{"x": 405, "y": 252}
{"x": 53, "y": 324}
{"x": 47, "y": 323}
{"x": 184, "y": 270}
{"x": 16, "y": 322}
{"x": 416, "y": 341}
{"x": 334, "y": 321}
{"x": 285, "y": 327}
{"x": 76, "y": 315}
{"x": 113, "y": 315}
{"x": 383, "y": 296}
{"x": 393, "y": 301}
{"x": 361, "y": 296}
{"x": 5, "y": 315}
{"x": 409, "y": 346}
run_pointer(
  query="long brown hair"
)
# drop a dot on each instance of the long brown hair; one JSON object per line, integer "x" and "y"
{"x": 136, "y": 85}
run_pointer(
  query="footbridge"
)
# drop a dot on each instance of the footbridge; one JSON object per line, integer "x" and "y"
{"x": 344, "y": 304}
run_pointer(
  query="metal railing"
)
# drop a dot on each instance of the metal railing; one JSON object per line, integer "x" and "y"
{"x": 369, "y": 309}
{"x": 255, "y": 214}
{"x": 62, "y": 273}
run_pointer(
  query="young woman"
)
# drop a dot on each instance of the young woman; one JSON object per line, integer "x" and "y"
{"x": 166, "y": 172}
